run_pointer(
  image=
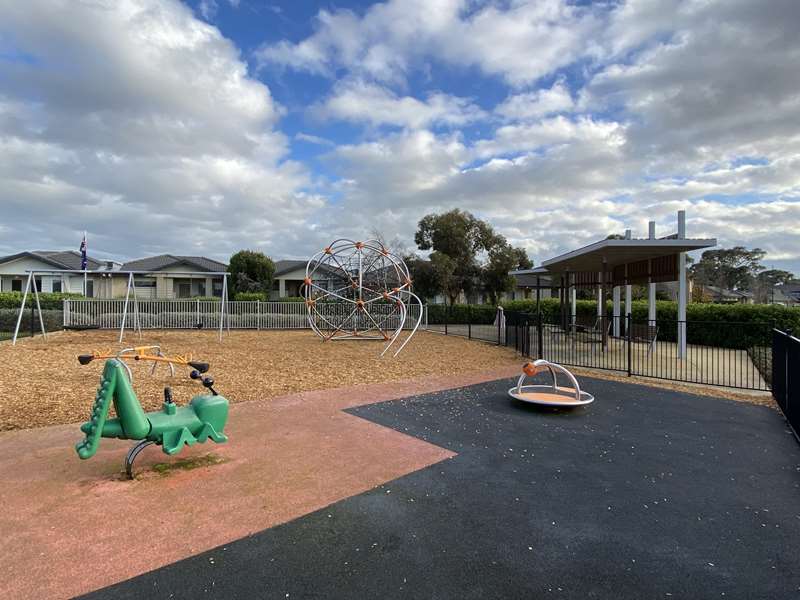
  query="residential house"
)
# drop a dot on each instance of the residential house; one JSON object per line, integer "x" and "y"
{"x": 14, "y": 272}
{"x": 713, "y": 293}
{"x": 109, "y": 279}
{"x": 787, "y": 294}
{"x": 171, "y": 278}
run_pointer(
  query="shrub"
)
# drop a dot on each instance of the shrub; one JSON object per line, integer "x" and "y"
{"x": 251, "y": 296}
{"x": 722, "y": 325}
{"x": 53, "y": 319}
{"x": 46, "y": 300}
{"x": 477, "y": 314}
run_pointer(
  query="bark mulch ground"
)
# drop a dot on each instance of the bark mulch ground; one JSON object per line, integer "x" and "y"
{"x": 41, "y": 383}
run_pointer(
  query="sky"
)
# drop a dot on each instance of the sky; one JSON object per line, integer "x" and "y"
{"x": 210, "y": 126}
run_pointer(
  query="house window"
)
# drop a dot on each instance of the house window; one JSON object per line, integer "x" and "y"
{"x": 16, "y": 285}
{"x": 184, "y": 290}
{"x": 90, "y": 288}
{"x": 56, "y": 286}
{"x": 201, "y": 288}
{"x": 216, "y": 288}
{"x": 37, "y": 283}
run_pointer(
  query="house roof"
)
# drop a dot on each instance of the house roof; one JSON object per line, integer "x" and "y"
{"x": 528, "y": 280}
{"x": 726, "y": 293}
{"x": 287, "y": 266}
{"x": 59, "y": 259}
{"x": 163, "y": 261}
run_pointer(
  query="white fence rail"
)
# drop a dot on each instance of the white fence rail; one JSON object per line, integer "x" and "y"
{"x": 205, "y": 314}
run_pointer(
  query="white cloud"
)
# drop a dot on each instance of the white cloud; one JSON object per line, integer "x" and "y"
{"x": 362, "y": 102}
{"x": 164, "y": 145}
{"x": 537, "y": 104}
{"x": 519, "y": 42}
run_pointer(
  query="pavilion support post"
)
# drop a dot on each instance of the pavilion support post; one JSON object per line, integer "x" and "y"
{"x": 615, "y": 300}
{"x": 651, "y": 287}
{"x": 682, "y": 288}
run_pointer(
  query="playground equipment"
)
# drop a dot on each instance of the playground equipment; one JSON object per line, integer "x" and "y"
{"x": 171, "y": 428}
{"x": 65, "y": 274}
{"x": 549, "y": 395}
{"x": 138, "y": 353}
{"x": 359, "y": 290}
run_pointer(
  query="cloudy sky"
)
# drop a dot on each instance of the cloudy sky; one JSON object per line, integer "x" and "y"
{"x": 214, "y": 125}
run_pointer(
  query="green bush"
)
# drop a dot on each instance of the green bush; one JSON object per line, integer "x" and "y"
{"x": 46, "y": 300}
{"x": 53, "y": 319}
{"x": 477, "y": 314}
{"x": 251, "y": 296}
{"x": 722, "y": 325}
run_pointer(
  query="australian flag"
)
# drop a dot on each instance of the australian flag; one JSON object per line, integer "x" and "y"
{"x": 84, "y": 259}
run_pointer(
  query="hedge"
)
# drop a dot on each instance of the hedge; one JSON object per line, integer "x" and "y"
{"x": 53, "y": 319}
{"x": 477, "y": 314}
{"x": 722, "y": 325}
{"x": 46, "y": 300}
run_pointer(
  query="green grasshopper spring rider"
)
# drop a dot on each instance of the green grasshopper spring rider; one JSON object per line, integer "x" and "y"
{"x": 171, "y": 428}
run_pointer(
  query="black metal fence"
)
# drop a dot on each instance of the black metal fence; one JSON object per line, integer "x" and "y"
{"x": 736, "y": 355}
{"x": 786, "y": 376}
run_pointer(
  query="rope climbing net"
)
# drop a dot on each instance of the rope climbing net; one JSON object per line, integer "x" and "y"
{"x": 360, "y": 290}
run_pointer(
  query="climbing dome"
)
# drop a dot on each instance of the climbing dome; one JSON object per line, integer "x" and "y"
{"x": 361, "y": 291}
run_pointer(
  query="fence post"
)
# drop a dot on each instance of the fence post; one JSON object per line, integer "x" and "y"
{"x": 469, "y": 321}
{"x": 628, "y": 320}
{"x": 539, "y": 336}
{"x": 446, "y": 316}
{"x": 65, "y": 309}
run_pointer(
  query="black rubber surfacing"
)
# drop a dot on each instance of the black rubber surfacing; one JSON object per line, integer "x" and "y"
{"x": 646, "y": 493}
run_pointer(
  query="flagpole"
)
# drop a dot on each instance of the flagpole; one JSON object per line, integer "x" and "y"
{"x": 86, "y": 253}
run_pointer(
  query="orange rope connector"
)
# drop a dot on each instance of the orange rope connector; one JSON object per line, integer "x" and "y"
{"x": 359, "y": 245}
{"x": 307, "y": 280}
{"x": 386, "y": 296}
{"x": 310, "y": 302}
{"x": 360, "y": 304}
{"x": 395, "y": 290}
{"x": 327, "y": 250}
{"x": 408, "y": 281}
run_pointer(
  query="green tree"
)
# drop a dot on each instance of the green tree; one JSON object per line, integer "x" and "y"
{"x": 730, "y": 268}
{"x": 494, "y": 275}
{"x": 460, "y": 237}
{"x": 767, "y": 280}
{"x": 444, "y": 269}
{"x": 425, "y": 282}
{"x": 251, "y": 271}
